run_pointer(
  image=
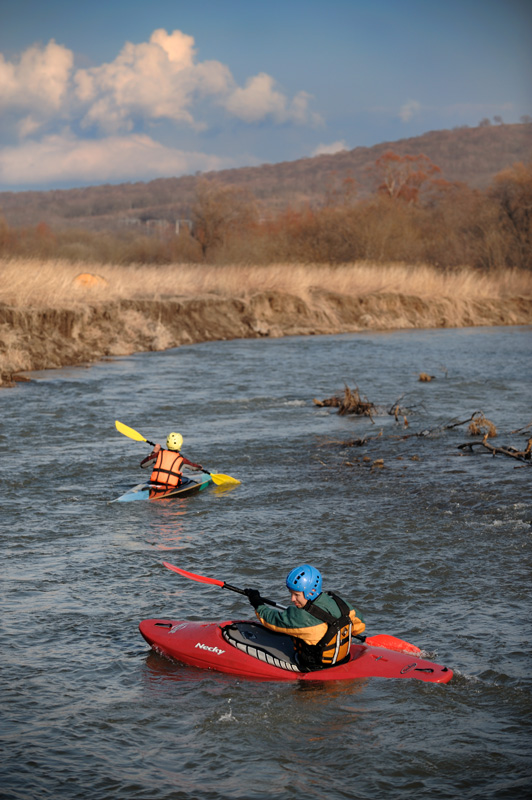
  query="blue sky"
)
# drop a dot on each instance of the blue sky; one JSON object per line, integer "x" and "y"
{"x": 124, "y": 91}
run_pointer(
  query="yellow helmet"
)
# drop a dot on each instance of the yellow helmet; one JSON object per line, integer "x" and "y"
{"x": 174, "y": 441}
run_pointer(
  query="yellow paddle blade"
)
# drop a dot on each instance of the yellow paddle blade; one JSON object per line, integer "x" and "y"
{"x": 121, "y": 428}
{"x": 219, "y": 478}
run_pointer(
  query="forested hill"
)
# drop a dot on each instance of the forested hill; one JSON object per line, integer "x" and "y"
{"x": 469, "y": 155}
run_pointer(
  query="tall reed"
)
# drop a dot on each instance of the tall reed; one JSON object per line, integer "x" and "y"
{"x": 27, "y": 282}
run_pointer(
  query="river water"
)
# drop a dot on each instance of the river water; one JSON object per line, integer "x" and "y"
{"x": 430, "y": 542}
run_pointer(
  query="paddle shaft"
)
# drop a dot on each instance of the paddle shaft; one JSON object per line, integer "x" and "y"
{"x": 264, "y": 599}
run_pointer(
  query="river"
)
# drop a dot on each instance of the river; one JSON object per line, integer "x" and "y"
{"x": 431, "y": 542}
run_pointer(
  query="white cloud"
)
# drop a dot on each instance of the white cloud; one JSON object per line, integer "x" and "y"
{"x": 260, "y": 99}
{"x": 147, "y": 82}
{"x": 409, "y": 109}
{"x": 28, "y": 125}
{"x": 329, "y": 149}
{"x": 63, "y": 159}
{"x": 178, "y": 46}
{"x": 160, "y": 79}
{"x": 153, "y": 80}
{"x": 117, "y": 104}
{"x": 300, "y": 111}
{"x": 38, "y": 81}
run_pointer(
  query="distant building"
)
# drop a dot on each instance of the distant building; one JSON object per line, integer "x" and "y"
{"x": 181, "y": 224}
{"x": 129, "y": 222}
{"x": 158, "y": 224}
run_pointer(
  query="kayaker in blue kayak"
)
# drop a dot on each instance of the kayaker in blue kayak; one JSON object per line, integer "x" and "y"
{"x": 320, "y": 623}
{"x": 166, "y": 473}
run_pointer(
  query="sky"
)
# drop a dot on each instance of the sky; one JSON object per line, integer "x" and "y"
{"x": 118, "y": 91}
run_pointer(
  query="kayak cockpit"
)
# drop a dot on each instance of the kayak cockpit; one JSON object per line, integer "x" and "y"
{"x": 276, "y": 649}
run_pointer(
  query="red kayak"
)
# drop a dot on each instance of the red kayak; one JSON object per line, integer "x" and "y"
{"x": 250, "y": 650}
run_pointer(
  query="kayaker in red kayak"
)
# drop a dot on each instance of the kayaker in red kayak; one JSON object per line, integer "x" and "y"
{"x": 166, "y": 471}
{"x": 320, "y": 623}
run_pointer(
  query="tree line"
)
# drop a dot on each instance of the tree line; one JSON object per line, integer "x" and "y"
{"x": 413, "y": 215}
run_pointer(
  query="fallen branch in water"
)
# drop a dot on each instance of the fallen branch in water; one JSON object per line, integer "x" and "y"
{"x": 479, "y": 424}
{"x": 476, "y": 415}
{"x": 350, "y": 403}
{"x": 521, "y": 455}
{"x": 524, "y": 428}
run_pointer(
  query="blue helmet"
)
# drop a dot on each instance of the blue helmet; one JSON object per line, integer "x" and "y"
{"x": 305, "y": 579}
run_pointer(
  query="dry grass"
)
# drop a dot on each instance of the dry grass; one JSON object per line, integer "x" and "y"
{"x": 480, "y": 425}
{"x": 34, "y": 283}
{"x": 350, "y": 403}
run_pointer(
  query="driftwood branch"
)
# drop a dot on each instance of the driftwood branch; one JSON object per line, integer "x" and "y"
{"x": 395, "y": 409}
{"x": 524, "y": 428}
{"x": 521, "y": 455}
{"x": 350, "y": 403}
{"x": 448, "y": 426}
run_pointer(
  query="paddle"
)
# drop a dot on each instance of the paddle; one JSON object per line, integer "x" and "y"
{"x": 202, "y": 579}
{"x": 127, "y": 431}
{"x": 380, "y": 640}
{"x": 217, "y": 478}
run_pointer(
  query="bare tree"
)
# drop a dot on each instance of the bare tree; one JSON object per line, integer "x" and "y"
{"x": 512, "y": 191}
{"x": 220, "y": 211}
{"x": 403, "y": 177}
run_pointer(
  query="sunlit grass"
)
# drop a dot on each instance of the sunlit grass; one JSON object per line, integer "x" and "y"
{"x": 32, "y": 283}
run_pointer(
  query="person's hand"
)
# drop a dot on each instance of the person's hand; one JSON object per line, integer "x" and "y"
{"x": 156, "y": 448}
{"x": 254, "y": 597}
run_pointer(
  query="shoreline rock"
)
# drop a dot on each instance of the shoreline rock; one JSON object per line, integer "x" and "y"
{"x": 50, "y": 338}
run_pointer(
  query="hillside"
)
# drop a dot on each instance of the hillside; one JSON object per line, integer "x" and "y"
{"x": 470, "y": 155}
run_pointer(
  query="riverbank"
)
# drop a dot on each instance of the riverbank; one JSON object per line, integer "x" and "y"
{"x": 86, "y": 321}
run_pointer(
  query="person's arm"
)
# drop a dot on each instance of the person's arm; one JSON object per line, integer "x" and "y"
{"x": 291, "y": 620}
{"x": 286, "y": 619}
{"x": 152, "y": 456}
{"x": 190, "y": 463}
{"x": 357, "y": 620}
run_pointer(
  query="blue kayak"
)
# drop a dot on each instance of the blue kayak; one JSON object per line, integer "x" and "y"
{"x": 148, "y": 491}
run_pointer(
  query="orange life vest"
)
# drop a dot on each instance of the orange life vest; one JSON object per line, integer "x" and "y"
{"x": 334, "y": 646}
{"x": 167, "y": 469}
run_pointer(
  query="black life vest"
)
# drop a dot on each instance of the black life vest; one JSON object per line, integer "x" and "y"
{"x": 167, "y": 469}
{"x": 333, "y": 648}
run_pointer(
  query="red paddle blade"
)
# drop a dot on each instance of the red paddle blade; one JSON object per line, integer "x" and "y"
{"x": 392, "y": 643}
{"x": 192, "y": 575}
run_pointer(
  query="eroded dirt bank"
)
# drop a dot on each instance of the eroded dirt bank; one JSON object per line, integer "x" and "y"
{"x": 32, "y": 338}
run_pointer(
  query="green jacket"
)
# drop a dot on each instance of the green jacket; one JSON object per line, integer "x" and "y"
{"x": 301, "y": 624}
